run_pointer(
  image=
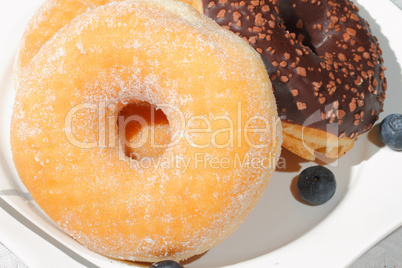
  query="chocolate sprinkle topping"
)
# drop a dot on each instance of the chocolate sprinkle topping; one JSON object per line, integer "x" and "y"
{"x": 323, "y": 61}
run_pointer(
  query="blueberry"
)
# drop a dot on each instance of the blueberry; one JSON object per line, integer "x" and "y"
{"x": 166, "y": 264}
{"x": 391, "y": 131}
{"x": 316, "y": 185}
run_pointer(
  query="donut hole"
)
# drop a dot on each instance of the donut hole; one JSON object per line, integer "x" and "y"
{"x": 144, "y": 130}
{"x": 292, "y": 24}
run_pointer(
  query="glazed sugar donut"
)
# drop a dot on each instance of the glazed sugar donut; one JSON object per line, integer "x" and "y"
{"x": 113, "y": 64}
{"x": 324, "y": 64}
{"x": 48, "y": 19}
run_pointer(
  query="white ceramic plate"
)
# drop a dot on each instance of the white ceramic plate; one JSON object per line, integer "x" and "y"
{"x": 281, "y": 231}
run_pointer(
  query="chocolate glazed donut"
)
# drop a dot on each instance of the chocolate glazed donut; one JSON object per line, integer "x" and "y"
{"x": 323, "y": 61}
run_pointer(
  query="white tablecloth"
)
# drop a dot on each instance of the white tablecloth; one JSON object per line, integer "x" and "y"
{"x": 387, "y": 253}
{"x": 398, "y": 3}
{"x": 8, "y": 259}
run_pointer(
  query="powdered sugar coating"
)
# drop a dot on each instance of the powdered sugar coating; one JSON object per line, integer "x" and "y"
{"x": 163, "y": 53}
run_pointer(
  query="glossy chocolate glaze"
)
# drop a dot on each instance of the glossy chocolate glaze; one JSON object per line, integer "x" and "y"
{"x": 323, "y": 61}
